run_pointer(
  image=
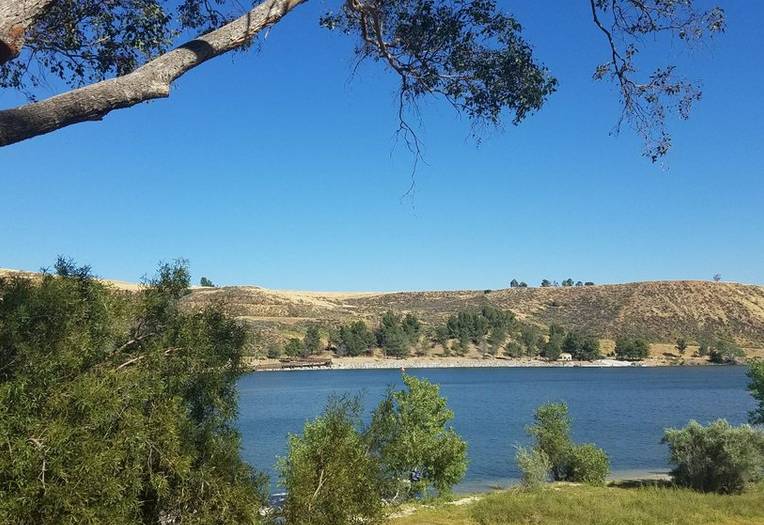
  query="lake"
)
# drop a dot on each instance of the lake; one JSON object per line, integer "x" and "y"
{"x": 623, "y": 410}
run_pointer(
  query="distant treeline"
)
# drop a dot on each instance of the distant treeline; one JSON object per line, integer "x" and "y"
{"x": 546, "y": 283}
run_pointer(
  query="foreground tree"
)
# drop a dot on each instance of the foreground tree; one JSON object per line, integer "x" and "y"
{"x": 411, "y": 434}
{"x": 119, "y": 54}
{"x": 118, "y": 407}
{"x": 329, "y": 476}
{"x": 756, "y": 388}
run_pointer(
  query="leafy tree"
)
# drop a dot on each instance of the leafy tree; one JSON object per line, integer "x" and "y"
{"x": 588, "y": 283}
{"x": 514, "y": 283}
{"x": 531, "y": 338}
{"x": 568, "y": 461}
{"x": 716, "y": 458}
{"x": 329, "y": 476}
{"x": 206, "y": 283}
{"x": 681, "y": 345}
{"x": 552, "y": 349}
{"x": 411, "y": 327}
{"x": 632, "y": 349}
{"x": 523, "y": 284}
{"x": 725, "y": 352}
{"x": 312, "y": 341}
{"x": 581, "y": 347}
{"x": 468, "y": 52}
{"x": 551, "y": 432}
{"x": 717, "y": 277}
{"x": 118, "y": 407}
{"x": 411, "y": 435}
{"x": 579, "y": 283}
{"x": 756, "y": 388}
{"x": 496, "y": 338}
{"x": 546, "y": 283}
{"x": 355, "y": 339}
{"x": 567, "y": 282}
{"x": 294, "y": 347}
{"x": 392, "y": 336}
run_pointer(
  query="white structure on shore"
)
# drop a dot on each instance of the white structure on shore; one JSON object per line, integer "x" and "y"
{"x": 566, "y": 357}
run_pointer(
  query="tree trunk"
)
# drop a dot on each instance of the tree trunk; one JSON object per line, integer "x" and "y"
{"x": 150, "y": 81}
{"x": 16, "y": 16}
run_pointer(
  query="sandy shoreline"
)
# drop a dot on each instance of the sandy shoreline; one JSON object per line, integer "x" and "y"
{"x": 372, "y": 363}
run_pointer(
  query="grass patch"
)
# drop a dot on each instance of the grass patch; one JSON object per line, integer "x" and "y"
{"x": 583, "y": 505}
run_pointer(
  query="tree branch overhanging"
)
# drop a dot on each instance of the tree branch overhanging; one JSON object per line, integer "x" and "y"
{"x": 150, "y": 81}
{"x": 16, "y": 17}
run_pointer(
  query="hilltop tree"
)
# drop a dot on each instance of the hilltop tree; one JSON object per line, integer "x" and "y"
{"x": 206, "y": 283}
{"x": 546, "y": 283}
{"x": 567, "y": 282}
{"x": 119, "y": 54}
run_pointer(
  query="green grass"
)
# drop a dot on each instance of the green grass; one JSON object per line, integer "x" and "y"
{"x": 580, "y": 505}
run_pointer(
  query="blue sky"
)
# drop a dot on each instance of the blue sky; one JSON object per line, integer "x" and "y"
{"x": 274, "y": 167}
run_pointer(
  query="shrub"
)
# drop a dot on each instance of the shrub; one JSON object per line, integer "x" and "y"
{"x": 725, "y": 352}
{"x": 206, "y": 283}
{"x": 534, "y": 465}
{"x": 587, "y": 464}
{"x": 116, "y": 407}
{"x": 274, "y": 351}
{"x": 681, "y": 345}
{"x": 581, "y": 347}
{"x": 514, "y": 349}
{"x": 756, "y": 388}
{"x": 354, "y": 339}
{"x": 294, "y": 347}
{"x": 551, "y": 431}
{"x": 329, "y": 476}
{"x": 716, "y": 458}
{"x": 411, "y": 435}
{"x": 632, "y": 349}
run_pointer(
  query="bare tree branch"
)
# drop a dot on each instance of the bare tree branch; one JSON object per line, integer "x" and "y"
{"x": 150, "y": 81}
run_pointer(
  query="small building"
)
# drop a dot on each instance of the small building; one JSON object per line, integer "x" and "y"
{"x": 566, "y": 357}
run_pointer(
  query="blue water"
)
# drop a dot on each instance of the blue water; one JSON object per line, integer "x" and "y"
{"x": 623, "y": 410}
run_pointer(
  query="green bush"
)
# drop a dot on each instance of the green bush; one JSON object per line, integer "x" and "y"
{"x": 725, "y": 352}
{"x": 329, "y": 476}
{"x": 534, "y": 465}
{"x": 716, "y": 458}
{"x": 551, "y": 431}
{"x": 118, "y": 407}
{"x": 756, "y": 388}
{"x": 581, "y": 347}
{"x": 410, "y": 433}
{"x": 631, "y": 349}
{"x": 587, "y": 464}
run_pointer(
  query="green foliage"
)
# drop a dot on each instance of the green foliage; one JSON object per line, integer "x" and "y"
{"x": 553, "y": 346}
{"x": 468, "y": 51}
{"x": 118, "y": 407}
{"x": 756, "y": 388}
{"x": 274, "y": 351}
{"x": 534, "y": 465}
{"x": 410, "y": 433}
{"x": 354, "y": 339}
{"x": 392, "y": 336}
{"x": 531, "y": 338}
{"x": 567, "y": 282}
{"x": 514, "y": 349}
{"x": 312, "y": 341}
{"x": 581, "y": 347}
{"x": 294, "y": 347}
{"x": 441, "y": 335}
{"x": 587, "y": 464}
{"x": 551, "y": 432}
{"x": 716, "y": 458}
{"x": 631, "y": 349}
{"x": 488, "y": 325}
{"x": 568, "y": 461}
{"x": 546, "y": 283}
{"x": 329, "y": 476}
{"x": 681, "y": 345}
{"x": 724, "y": 351}
{"x": 206, "y": 283}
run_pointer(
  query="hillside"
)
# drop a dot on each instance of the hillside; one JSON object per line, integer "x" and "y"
{"x": 660, "y": 311}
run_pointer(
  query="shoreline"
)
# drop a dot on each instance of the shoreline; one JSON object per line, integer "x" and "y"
{"x": 373, "y": 363}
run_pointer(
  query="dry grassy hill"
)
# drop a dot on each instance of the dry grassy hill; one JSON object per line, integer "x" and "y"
{"x": 660, "y": 311}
